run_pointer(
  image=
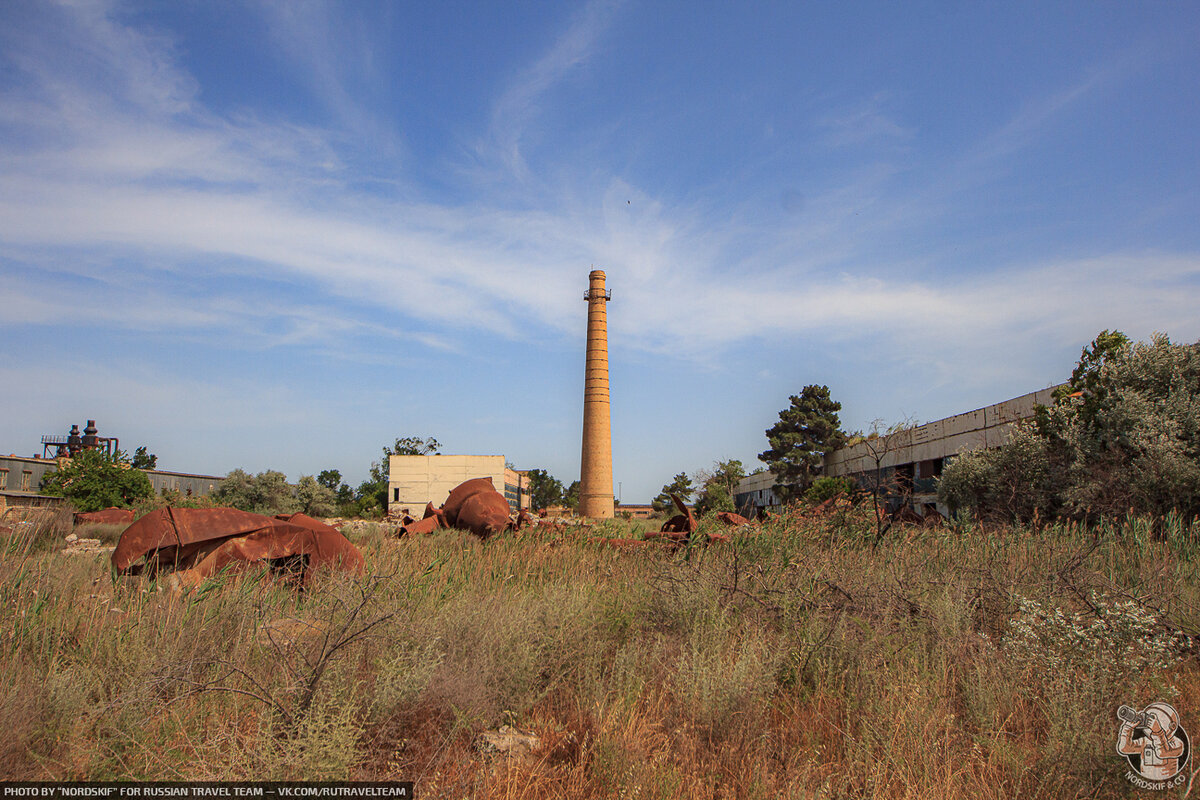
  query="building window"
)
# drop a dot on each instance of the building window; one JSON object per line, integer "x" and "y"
{"x": 3, "y": 479}
{"x": 395, "y": 495}
{"x": 26, "y": 480}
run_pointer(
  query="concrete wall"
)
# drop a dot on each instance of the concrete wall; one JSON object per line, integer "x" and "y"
{"x": 24, "y": 475}
{"x": 984, "y": 427}
{"x": 414, "y": 481}
{"x": 754, "y": 492}
{"x": 183, "y": 482}
{"x": 639, "y": 511}
{"x": 516, "y": 489}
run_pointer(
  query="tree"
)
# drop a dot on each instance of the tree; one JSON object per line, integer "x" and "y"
{"x": 329, "y": 478}
{"x": 371, "y": 497}
{"x": 144, "y": 460}
{"x": 544, "y": 489}
{"x": 267, "y": 492}
{"x": 717, "y": 487}
{"x": 343, "y": 494}
{"x": 413, "y": 446}
{"x": 1128, "y": 439}
{"x": 314, "y": 498}
{"x": 879, "y": 443}
{"x": 1087, "y": 382}
{"x": 681, "y": 486}
{"x": 93, "y": 480}
{"x": 805, "y": 432}
{"x": 571, "y": 496}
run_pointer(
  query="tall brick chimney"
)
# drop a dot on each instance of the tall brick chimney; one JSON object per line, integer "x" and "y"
{"x": 595, "y": 481}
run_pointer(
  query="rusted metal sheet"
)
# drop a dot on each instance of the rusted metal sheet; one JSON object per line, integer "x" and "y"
{"x": 204, "y": 540}
{"x": 295, "y": 551}
{"x": 427, "y": 525}
{"x": 678, "y": 530}
{"x": 731, "y": 519}
{"x": 305, "y": 521}
{"x": 183, "y": 529}
{"x": 473, "y": 505}
{"x": 683, "y": 522}
{"x": 108, "y": 516}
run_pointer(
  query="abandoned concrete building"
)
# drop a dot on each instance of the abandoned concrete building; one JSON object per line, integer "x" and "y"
{"x": 909, "y": 462}
{"x": 414, "y": 481}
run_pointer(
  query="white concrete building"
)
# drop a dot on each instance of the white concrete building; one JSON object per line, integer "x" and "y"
{"x": 414, "y": 481}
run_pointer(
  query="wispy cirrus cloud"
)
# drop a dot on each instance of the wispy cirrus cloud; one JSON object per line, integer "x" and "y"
{"x": 517, "y": 106}
{"x": 868, "y": 120}
{"x": 130, "y": 164}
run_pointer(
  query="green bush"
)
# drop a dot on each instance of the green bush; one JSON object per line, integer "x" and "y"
{"x": 265, "y": 493}
{"x": 1124, "y": 436}
{"x": 1015, "y": 482}
{"x": 93, "y": 480}
{"x": 825, "y": 488}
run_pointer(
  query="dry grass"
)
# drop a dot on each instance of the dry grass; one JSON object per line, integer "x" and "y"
{"x": 799, "y": 661}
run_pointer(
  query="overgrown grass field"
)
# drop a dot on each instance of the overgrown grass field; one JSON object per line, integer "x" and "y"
{"x": 799, "y": 660}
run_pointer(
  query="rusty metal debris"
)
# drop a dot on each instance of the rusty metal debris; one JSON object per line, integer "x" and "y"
{"x": 196, "y": 543}
{"x": 109, "y": 516}
{"x": 474, "y": 505}
{"x": 683, "y": 522}
{"x": 731, "y": 519}
{"x": 680, "y": 526}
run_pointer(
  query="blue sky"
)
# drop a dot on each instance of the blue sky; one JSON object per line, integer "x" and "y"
{"x": 281, "y": 234}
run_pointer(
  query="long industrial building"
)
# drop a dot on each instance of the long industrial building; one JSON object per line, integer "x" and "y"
{"x": 21, "y": 478}
{"x": 910, "y": 460}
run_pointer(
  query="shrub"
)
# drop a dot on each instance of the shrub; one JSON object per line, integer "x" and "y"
{"x": 265, "y": 493}
{"x": 94, "y": 479}
{"x": 314, "y": 499}
{"x": 826, "y": 488}
{"x": 1014, "y": 482}
{"x": 1126, "y": 437}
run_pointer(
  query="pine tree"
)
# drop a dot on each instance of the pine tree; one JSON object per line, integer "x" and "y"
{"x": 680, "y": 485}
{"x": 806, "y": 431}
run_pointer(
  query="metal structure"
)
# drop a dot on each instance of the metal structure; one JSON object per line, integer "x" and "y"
{"x": 74, "y": 443}
{"x": 197, "y": 543}
{"x": 474, "y": 505}
{"x": 595, "y": 480}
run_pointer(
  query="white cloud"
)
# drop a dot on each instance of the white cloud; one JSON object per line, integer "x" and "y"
{"x": 865, "y": 121}
{"x": 139, "y": 173}
{"x": 517, "y": 106}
